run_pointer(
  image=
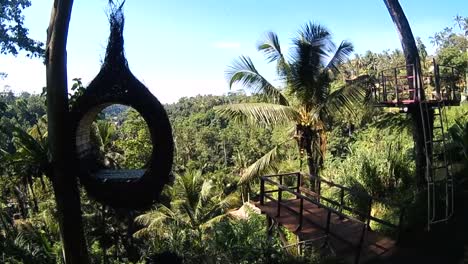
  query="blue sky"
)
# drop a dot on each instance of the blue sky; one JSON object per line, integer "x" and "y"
{"x": 182, "y": 48}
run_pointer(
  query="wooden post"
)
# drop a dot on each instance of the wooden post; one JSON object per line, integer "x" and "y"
{"x": 396, "y": 85}
{"x": 298, "y": 183}
{"x": 301, "y": 214}
{"x": 262, "y": 191}
{"x": 361, "y": 242}
{"x": 453, "y": 86}
{"x": 60, "y": 139}
{"x": 369, "y": 213}
{"x": 400, "y": 225}
{"x": 436, "y": 80}
{"x": 341, "y": 201}
{"x": 280, "y": 192}
{"x": 384, "y": 86}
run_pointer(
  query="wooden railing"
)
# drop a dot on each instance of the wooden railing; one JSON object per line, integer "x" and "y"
{"x": 306, "y": 196}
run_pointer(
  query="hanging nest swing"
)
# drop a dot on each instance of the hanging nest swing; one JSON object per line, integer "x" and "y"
{"x": 115, "y": 84}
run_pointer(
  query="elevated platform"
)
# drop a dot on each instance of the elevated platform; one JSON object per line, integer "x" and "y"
{"x": 344, "y": 236}
{"x": 403, "y": 86}
{"x": 323, "y": 222}
{"x": 408, "y": 102}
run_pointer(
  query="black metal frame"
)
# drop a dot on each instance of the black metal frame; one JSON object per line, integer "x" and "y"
{"x": 297, "y": 190}
{"x": 397, "y": 88}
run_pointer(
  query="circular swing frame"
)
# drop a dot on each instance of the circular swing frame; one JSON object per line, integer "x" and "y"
{"x": 115, "y": 84}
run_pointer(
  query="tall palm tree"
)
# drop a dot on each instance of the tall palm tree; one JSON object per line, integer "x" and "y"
{"x": 305, "y": 98}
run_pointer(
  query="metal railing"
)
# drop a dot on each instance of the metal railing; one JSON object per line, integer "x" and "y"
{"x": 298, "y": 192}
{"x": 400, "y": 84}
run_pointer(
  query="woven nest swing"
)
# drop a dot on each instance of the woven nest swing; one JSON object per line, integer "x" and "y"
{"x": 115, "y": 84}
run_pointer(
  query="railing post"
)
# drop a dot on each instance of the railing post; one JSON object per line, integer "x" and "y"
{"x": 384, "y": 86}
{"x": 298, "y": 183}
{"x": 396, "y": 84}
{"x": 280, "y": 193}
{"x": 327, "y": 229}
{"x": 369, "y": 213}
{"x": 361, "y": 242}
{"x": 262, "y": 191}
{"x": 341, "y": 201}
{"x": 416, "y": 85}
{"x": 400, "y": 225}
{"x": 436, "y": 81}
{"x": 301, "y": 214}
{"x": 453, "y": 85}
{"x": 319, "y": 187}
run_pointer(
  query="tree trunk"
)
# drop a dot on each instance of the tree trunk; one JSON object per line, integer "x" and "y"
{"x": 410, "y": 51}
{"x": 304, "y": 134}
{"x": 63, "y": 179}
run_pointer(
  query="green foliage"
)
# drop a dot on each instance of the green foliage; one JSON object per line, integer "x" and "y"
{"x": 369, "y": 150}
{"x": 244, "y": 241}
{"x": 195, "y": 203}
{"x": 14, "y": 36}
{"x": 134, "y": 141}
{"x": 305, "y": 101}
{"x": 380, "y": 161}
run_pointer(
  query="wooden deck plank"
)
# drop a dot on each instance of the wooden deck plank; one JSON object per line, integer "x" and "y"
{"x": 314, "y": 223}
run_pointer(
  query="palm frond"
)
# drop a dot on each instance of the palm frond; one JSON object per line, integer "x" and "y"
{"x": 205, "y": 191}
{"x": 271, "y": 48}
{"x": 153, "y": 221}
{"x": 29, "y": 150}
{"x": 244, "y": 72}
{"x": 316, "y": 35}
{"x": 230, "y": 201}
{"x": 261, "y": 166}
{"x": 211, "y": 222}
{"x": 259, "y": 113}
{"x": 341, "y": 55}
{"x": 392, "y": 120}
{"x": 345, "y": 98}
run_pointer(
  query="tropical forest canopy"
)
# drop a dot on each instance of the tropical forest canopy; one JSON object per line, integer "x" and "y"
{"x": 221, "y": 149}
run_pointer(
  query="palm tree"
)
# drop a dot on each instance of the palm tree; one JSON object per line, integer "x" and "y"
{"x": 305, "y": 98}
{"x": 104, "y": 132}
{"x": 31, "y": 158}
{"x": 195, "y": 206}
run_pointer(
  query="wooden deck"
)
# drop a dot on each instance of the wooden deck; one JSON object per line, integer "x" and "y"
{"x": 322, "y": 226}
{"x": 344, "y": 235}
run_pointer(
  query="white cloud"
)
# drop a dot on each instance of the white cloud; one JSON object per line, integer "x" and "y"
{"x": 226, "y": 45}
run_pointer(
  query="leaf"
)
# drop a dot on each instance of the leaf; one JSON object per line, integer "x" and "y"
{"x": 345, "y": 98}
{"x": 341, "y": 55}
{"x": 260, "y": 166}
{"x": 259, "y": 113}
{"x": 243, "y": 71}
{"x": 271, "y": 48}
